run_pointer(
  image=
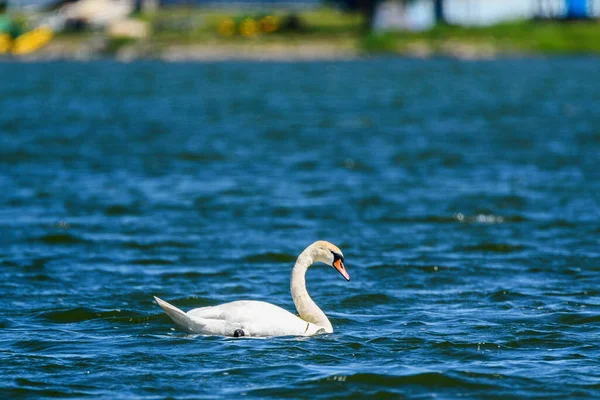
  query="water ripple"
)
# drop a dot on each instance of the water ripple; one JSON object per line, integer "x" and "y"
{"x": 463, "y": 194}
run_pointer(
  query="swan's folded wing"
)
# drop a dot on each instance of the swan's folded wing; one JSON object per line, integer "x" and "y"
{"x": 246, "y": 311}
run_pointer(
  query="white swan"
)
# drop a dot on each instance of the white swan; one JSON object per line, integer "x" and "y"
{"x": 258, "y": 318}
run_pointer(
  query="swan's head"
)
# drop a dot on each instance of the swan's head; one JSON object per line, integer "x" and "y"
{"x": 331, "y": 255}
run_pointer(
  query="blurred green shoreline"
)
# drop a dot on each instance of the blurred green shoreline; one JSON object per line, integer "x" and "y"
{"x": 180, "y": 34}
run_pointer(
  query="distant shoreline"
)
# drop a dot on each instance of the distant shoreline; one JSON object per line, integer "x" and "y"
{"x": 515, "y": 39}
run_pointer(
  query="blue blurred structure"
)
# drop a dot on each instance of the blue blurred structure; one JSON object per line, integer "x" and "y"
{"x": 577, "y": 9}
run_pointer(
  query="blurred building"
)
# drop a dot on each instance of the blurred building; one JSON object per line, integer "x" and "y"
{"x": 579, "y": 9}
{"x": 76, "y": 15}
{"x": 487, "y": 12}
{"x": 421, "y": 14}
{"x": 95, "y": 13}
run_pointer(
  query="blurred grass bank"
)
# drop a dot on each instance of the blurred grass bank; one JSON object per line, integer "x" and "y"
{"x": 515, "y": 38}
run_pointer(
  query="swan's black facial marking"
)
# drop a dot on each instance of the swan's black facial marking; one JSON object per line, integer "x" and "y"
{"x": 239, "y": 333}
{"x": 337, "y": 256}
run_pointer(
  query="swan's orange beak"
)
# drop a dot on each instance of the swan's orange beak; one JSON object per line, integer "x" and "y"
{"x": 339, "y": 265}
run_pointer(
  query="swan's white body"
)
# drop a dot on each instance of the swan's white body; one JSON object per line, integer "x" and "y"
{"x": 258, "y": 318}
{"x": 255, "y": 318}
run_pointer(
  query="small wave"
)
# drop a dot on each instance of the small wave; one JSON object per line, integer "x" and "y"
{"x": 40, "y": 278}
{"x": 8, "y": 263}
{"x": 17, "y": 156}
{"x": 152, "y": 261}
{"x": 282, "y": 212}
{"x": 27, "y": 382}
{"x": 504, "y": 295}
{"x": 353, "y": 164}
{"x": 270, "y": 257}
{"x": 457, "y": 217}
{"x": 45, "y": 389}
{"x": 539, "y": 333}
{"x": 35, "y": 346}
{"x": 407, "y": 342}
{"x": 436, "y": 219}
{"x": 156, "y": 244}
{"x": 468, "y": 345}
{"x": 493, "y": 247}
{"x": 121, "y": 209}
{"x": 445, "y": 159}
{"x": 392, "y": 385}
{"x": 82, "y": 314}
{"x": 37, "y": 264}
{"x": 559, "y": 223}
{"x": 33, "y": 265}
{"x": 307, "y": 165}
{"x": 60, "y": 238}
{"x": 17, "y": 393}
{"x": 428, "y": 379}
{"x": 365, "y": 299}
{"x": 543, "y": 342}
{"x": 383, "y": 384}
{"x": 578, "y": 319}
{"x": 201, "y": 157}
{"x": 371, "y": 201}
{"x": 404, "y": 268}
{"x": 564, "y": 293}
{"x": 191, "y": 275}
{"x": 383, "y": 267}
{"x": 424, "y": 268}
{"x": 488, "y": 219}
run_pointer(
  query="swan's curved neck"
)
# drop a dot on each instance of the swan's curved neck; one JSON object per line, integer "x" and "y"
{"x": 307, "y": 308}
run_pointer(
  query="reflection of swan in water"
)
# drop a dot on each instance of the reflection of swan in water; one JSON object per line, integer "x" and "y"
{"x": 258, "y": 318}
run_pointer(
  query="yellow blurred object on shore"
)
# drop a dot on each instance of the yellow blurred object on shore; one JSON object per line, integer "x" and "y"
{"x": 249, "y": 27}
{"x": 227, "y": 27}
{"x": 270, "y": 24}
{"x": 32, "y": 41}
{"x": 5, "y": 43}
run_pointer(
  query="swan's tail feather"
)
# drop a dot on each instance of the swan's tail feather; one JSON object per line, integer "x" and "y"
{"x": 181, "y": 319}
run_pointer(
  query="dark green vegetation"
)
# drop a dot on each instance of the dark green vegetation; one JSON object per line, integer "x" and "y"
{"x": 526, "y": 37}
{"x": 173, "y": 26}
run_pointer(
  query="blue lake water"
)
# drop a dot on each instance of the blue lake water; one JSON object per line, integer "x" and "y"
{"x": 464, "y": 195}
